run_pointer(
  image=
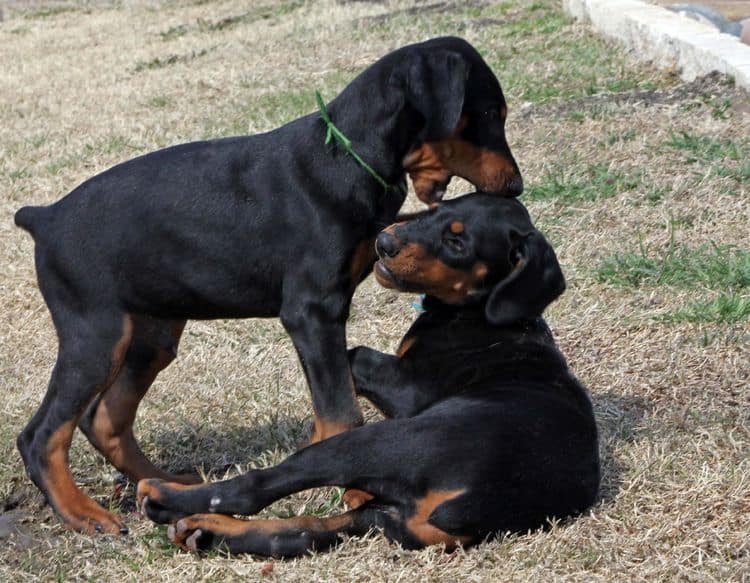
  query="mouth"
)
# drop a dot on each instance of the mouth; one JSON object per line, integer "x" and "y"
{"x": 384, "y": 275}
{"x": 510, "y": 189}
{"x": 435, "y": 193}
{"x": 388, "y": 279}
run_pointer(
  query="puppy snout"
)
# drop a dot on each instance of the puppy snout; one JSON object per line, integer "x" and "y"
{"x": 386, "y": 245}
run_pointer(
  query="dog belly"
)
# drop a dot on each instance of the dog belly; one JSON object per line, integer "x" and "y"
{"x": 196, "y": 290}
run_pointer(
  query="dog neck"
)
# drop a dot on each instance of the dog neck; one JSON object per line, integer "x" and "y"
{"x": 382, "y": 130}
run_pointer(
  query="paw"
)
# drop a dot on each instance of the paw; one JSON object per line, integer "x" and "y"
{"x": 356, "y": 498}
{"x": 165, "y": 502}
{"x": 90, "y": 518}
{"x": 194, "y": 533}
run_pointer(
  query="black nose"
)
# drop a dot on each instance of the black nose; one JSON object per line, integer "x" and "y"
{"x": 515, "y": 186}
{"x": 387, "y": 245}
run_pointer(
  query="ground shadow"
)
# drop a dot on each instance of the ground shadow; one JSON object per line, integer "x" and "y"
{"x": 619, "y": 419}
{"x": 214, "y": 449}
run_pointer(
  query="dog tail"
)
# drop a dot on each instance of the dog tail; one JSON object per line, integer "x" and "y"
{"x": 29, "y": 218}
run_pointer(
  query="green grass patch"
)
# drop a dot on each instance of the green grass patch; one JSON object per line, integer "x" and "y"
{"x": 559, "y": 61}
{"x": 726, "y": 158}
{"x": 538, "y": 52}
{"x": 540, "y": 18}
{"x": 739, "y": 173}
{"x": 618, "y": 137}
{"x": 727, "y": 308}
{"x": 714, "y": 267}
{"x": 159, "y": 102}
{"x": 596, "y": 183}
{"x": 704, "y": 148}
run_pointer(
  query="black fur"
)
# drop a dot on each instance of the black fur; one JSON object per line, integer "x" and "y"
{"x": 276, "y": 224}
{"x": 487, "y": 412}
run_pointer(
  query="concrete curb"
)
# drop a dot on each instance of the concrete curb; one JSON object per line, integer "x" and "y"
{"x": 666, "y": 38}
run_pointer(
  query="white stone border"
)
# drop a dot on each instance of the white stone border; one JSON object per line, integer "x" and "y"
{"x": 666, "y": 38}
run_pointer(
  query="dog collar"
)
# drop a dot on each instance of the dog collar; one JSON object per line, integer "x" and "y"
{"x": 332, "y": 132}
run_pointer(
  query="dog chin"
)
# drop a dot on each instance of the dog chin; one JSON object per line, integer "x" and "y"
{"x": 388, "y": 279}
{"x": 384, "y": 276}
{"x": 433, "y": 194}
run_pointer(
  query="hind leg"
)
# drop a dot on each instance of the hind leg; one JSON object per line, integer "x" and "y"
{"x": 408, "y": 522}
{"x": 289, "y": 537}
{"x": 403, "y": 463}
{"x": 108, "y": 421}
{"x": 91, "y": 352}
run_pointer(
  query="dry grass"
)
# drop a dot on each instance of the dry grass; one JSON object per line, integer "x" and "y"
{"x": 87, "y": 84}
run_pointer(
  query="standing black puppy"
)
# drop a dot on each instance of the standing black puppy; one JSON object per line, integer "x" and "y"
{"x": 488, "y": 429}
{"x": 277, "y": 224}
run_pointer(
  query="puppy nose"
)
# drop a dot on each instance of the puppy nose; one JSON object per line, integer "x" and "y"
{"x": 515, "y": 186}
{"x": 387, "y": 245}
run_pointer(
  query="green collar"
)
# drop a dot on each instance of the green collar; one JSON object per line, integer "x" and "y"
{"x": 334, "y": 132}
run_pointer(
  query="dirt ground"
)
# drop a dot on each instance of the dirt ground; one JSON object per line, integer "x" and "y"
{"x": 641, "y": 183}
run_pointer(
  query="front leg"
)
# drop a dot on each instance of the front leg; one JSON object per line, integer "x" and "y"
{"x": 348, "y": 460}
{"x": 319, "y": 336}
{"x": 390, "y": 383}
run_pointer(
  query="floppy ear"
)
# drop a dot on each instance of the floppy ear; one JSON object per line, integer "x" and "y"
{"x": 434, "y": 84}
{"x": 533, "y": 284}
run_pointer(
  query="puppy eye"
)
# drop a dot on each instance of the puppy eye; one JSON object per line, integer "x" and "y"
{"x": 455, "y": 244}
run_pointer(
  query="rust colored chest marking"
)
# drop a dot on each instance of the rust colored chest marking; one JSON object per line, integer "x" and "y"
{"x": 363, "y": 256}
{"x": 405, "y": 345}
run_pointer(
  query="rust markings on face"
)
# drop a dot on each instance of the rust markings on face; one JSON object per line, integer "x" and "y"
{"x": 419, "y": 525}
{"x": 415, "y": 269}
{"x": 433, "y": 163}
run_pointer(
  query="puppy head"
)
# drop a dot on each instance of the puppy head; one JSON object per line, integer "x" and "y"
{"x": 459, "y": 100}
{"x": 473, "y": 248}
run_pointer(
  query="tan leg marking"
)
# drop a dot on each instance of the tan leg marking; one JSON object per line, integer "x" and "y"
{"x": 325, "y": 429}
{"x": 354, "y": 498}
{"x": 113, "y": 421}
{"x": 424, "y": 531}
{"x": 186, "y": 530}
{"x": 78, "y": 510}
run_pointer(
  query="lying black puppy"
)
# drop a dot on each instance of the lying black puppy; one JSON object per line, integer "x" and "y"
{"x": 278, "y": 224}
{"x": 488, "y": 430}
